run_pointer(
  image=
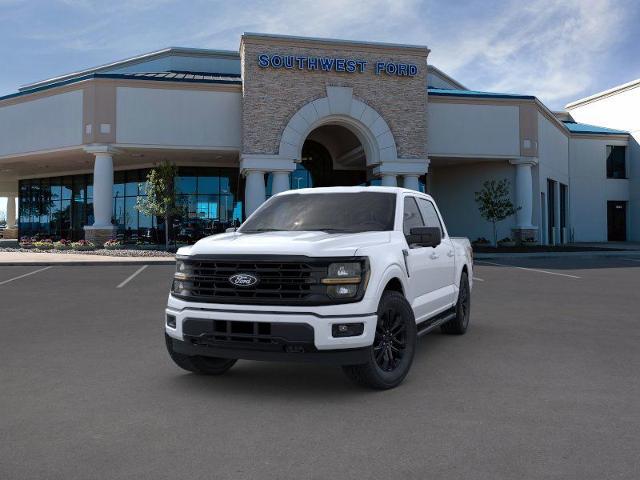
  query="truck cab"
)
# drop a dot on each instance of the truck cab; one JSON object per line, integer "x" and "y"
{"x": 348, "y": 276}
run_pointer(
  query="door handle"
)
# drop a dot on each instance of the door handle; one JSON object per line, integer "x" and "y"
{"x": 433, "y": 256}
{"x": 450, "y": 253}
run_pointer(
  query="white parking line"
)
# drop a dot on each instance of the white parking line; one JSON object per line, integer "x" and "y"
{"x": 476, "y": 279}
{"x": 132, "y": 276}
{"x": 25, "y": 275}
{"x": 529, "y": 269}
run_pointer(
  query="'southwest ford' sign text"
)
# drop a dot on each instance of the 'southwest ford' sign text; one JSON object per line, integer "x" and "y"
{"x": 332, "y": 64}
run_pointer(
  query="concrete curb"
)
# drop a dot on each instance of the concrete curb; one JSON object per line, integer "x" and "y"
{"x": 617, "y": 253}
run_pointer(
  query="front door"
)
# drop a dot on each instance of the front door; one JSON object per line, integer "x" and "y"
{"x": 617, "y": 221}
{"x": 430, "y": 268}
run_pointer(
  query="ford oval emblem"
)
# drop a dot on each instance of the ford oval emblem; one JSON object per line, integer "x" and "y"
{"x": 243, "y": 280}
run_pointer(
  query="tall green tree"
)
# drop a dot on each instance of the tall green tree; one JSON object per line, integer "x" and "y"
{"x": 161, "y": 199}
{"x": 494, "y": 203}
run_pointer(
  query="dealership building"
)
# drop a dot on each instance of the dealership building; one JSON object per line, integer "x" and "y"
{"x": 289, "y": 112}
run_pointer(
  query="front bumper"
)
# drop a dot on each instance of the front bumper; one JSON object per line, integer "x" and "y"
{"x": 241, "y": 331}
{"x": 350, "y": 356}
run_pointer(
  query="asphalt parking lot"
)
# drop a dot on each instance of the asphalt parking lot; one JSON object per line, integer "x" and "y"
{"x": 546, "y": 384}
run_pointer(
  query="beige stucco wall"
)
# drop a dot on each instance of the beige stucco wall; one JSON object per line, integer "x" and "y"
{"x": 178, "y": 117}
{"x": 272, "y": 96}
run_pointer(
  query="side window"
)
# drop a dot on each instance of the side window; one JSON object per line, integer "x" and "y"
{"x": 430, "y": 215}
{"x": 411, "y": 217}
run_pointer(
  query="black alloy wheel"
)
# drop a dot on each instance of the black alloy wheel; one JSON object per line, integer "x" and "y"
{"x": 390, "y": 341}
{"x": 393, "y": 346}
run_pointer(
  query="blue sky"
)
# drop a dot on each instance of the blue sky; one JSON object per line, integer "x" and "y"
{"x": 557, "y": 50}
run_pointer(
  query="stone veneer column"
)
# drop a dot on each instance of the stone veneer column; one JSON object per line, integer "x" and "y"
{"x": 280, "y": 182}
{"x": 102, "y": 229}
{"x": 254, "y": 192}
{"x": 524, "y": 198}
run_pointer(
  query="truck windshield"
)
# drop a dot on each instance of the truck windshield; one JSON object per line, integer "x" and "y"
{"x": 328, "y": 212}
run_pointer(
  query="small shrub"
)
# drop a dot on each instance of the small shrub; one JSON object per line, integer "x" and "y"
{"x": 481, "y": 241}
{"x": 112, "y": 244}
{"x": 46, "y": 244}
{"x": 26, "y": 242}
{"x": 83, "y": 245}
{"x": 62, "y": 245}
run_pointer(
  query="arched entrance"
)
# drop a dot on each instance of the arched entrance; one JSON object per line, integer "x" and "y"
{"x": 333, "y": 156}
{"x": 340, "y": 140}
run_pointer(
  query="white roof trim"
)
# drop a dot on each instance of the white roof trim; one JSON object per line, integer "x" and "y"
{"x": 605, "y": 93}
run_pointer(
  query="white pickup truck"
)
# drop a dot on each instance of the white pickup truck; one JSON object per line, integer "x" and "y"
{"x": 348, "y": 276}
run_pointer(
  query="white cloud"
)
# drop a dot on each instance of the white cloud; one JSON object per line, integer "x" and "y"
{"x": 545, "y": 48}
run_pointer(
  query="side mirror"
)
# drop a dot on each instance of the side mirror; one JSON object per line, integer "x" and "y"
{"x": 230, "y": 229}
{"x": 424, "y": 237}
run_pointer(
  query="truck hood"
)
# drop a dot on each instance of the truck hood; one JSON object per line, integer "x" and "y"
{"x": 312, "y": 244}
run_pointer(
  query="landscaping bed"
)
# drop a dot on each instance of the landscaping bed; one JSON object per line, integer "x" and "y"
{"x": 126, "y": 252}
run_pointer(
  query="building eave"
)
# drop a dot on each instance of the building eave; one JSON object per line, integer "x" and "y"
{"x": 116, "y": 76}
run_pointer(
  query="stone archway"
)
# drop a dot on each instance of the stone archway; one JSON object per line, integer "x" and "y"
{"x": 339, "y": 107}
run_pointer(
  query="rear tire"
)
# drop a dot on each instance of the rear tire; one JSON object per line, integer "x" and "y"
{"x": 459, "y": 324}
{"x": 199, "y": 365}
{"x": 393, "y": 347}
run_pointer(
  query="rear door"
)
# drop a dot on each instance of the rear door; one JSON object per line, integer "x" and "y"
{"x": 442, "y": 259}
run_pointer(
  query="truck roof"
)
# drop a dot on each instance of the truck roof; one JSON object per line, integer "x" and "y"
{"x": 395, "y": 190}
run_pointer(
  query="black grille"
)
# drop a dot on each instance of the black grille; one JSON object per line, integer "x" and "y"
{"x": 290, "y": 280}
{"x": 249, "y": 335}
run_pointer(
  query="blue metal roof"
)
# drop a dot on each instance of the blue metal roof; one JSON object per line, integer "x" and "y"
{"x": 575, "y": 127}
{"x": 188, "y": 77}
{"x": 444, "y": 92}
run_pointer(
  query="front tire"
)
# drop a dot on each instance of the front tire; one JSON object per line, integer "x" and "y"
{"x": 199, "y": 365}
{"x": 459, "y": 324}
{"x": 393, "y": 347}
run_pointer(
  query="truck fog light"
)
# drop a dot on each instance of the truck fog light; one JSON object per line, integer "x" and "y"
{"x": 342, "y": 291}
{"x": 347, "y": 329}
{"x": 171, "y": 321}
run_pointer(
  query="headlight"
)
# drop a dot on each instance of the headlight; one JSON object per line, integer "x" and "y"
{"x": 343, "y": 279}
{"x": 183, "y": 270}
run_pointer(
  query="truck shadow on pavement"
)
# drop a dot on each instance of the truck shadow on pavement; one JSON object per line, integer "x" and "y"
{"x": 301, "y": 381}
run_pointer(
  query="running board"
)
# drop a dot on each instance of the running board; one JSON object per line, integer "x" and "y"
{"x": 428, "y": 325}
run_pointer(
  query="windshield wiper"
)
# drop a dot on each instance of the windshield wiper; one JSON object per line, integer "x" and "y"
{"x": 260, "y": 230}
{"x": 332, "y": 230}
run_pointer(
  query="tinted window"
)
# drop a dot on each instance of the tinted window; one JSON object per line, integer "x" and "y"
{"x": 616, "y": 162}
{"x": 335, "y": 212}
{"x": 411, "y": 217}
{"x": 429, "y": 214}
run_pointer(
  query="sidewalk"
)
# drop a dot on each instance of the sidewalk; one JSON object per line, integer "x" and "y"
{"x": 635, "y": 254}
{"x": 36, "y": 259}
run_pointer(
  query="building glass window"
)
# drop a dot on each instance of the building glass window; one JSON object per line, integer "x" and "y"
{"x": 616, "y": 161}
{"x": 60, "y": 207}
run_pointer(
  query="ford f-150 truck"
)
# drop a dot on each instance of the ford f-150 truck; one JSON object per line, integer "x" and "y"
{"x": 348, "y": 276}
